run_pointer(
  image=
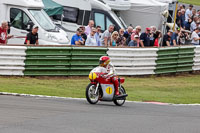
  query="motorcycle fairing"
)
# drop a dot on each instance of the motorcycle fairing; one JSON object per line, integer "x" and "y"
{"x": 108, "y": 92}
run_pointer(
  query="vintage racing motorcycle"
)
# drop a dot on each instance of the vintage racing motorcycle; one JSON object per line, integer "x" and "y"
{"x": 102, "y": 89}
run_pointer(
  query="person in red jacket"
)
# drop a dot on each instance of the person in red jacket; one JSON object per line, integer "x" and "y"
{"x": 157, "y": 36}
{"x": 3, "y": 33}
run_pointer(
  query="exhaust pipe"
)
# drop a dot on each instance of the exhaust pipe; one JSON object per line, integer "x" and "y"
{"x": 121, "y": 97}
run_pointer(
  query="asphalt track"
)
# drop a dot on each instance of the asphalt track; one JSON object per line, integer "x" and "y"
{"x": 49, "y": 115}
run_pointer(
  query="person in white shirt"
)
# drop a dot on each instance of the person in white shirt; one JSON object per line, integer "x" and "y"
{"x": 188, "y": 13}
{"x": 88, "y": 28}
{"x": 188, "y": 17}
{"x": 193, "y": 25}
{"x": 91, "y": 40}
{"x": 195, "y": 37}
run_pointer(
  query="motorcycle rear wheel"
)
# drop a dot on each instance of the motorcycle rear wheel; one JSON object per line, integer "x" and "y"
{"x": 120, "y": 102}
{"x": 91, "y": 97}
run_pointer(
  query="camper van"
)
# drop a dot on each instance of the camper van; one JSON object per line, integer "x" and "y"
{"x": 118, "y": 4}
{"x": 79, "y": 12}
{"x": 23, "y": 14}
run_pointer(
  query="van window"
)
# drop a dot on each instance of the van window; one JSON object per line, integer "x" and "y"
{"x": 19, "y": 19}
{"x": 43, "y": 19}
{"x": 69, "y": 15}
{"x": 100, "y": 20}
{"x": 108, "y": 22}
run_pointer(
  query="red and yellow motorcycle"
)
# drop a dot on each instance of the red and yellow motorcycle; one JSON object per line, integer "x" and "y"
{"x": 102, "y": 89}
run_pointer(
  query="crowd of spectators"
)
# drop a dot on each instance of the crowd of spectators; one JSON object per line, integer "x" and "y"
{"x": 186, "y": 31}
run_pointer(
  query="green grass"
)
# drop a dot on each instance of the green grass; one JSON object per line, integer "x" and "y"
{"x": 178, "y": 89}
{"x": 194, "y": 2}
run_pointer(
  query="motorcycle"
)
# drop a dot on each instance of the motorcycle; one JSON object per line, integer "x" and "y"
{"x": 102, "y": 89}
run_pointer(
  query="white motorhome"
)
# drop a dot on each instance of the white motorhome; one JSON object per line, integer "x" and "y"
{"x": 79, "y": 12}
{"x": 23, "y": 14}
{"x": 118, "y": 4}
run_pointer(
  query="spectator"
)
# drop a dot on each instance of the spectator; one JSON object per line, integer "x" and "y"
{"x": 32, "y": 37}
{"x": 178, "y": 18}
{"x": 157, "y": 37}
{"x": 188, "y": 17}
{"x": 183, "y": 37}
{"x": 134, "y": 42}
{"x": 8, "y": 32}
{"x": 193, "y": 25}
{"x": 195, "y": 37}
{"x": 121, "y": 40}
{"x": 180, "y": 8}
{"x": 77, "y": 39}
{"x": 194, "y": 12}
{"x": 114, "y": 38}
{"x": 199, "y": 36}
{"x": 3, "y": 33}
{"x": 91, "y": 40}
{"x": 145, "y": 38}
{"x": 89, "y": 27}
{"x": 8, "y": 28}
{"x": 167, "y": 38}
{"x": 83, "y": 35}
{"x": 106, "y": 36}
{"x": 127, "y": 34}
{"x": 136, "y": 32}
{"x": 183, "y": 6}
{"x": 152, "y": 34}
{"x": 183, "y": 18}
{"x": 198, "y": 13}
{"x": 97, "y": 35}
{"x": 174, "y": 37}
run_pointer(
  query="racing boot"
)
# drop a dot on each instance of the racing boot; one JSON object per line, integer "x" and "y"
{"x": 117, "y": 91}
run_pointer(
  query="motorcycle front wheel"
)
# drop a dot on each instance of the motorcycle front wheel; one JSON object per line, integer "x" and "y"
{"x": 91, "y": 97}
{"x": 121, "y": 101}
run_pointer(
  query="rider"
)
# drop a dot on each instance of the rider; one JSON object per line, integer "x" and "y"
{"x": 106, "y": 67}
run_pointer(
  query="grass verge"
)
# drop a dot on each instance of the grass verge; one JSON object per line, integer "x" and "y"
{"x": 194, "y": 2}
{"x": 180, "y": 89}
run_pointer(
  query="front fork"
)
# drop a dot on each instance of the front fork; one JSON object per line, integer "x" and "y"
{"x": 96, "y": 90}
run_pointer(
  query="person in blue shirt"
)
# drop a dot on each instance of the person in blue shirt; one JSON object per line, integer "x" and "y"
{"x": 182, "y": 18}
{"x": 127, "y": 34}
{"x": 174, "y": 37}
{"x": 97, "y": 35}
{"x": 77, "y": 39}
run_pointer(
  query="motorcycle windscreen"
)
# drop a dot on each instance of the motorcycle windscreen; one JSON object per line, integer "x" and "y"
{"x": 108, "y": 92}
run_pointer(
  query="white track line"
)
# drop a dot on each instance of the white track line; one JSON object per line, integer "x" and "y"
{"x": 83, "y": 99}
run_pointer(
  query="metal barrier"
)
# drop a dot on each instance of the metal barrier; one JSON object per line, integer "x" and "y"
{"x": 12, "y": 60}
{"x": 196, "y": 66}
{"x": 61, "y": 61}
{"x": 133, "y": 61}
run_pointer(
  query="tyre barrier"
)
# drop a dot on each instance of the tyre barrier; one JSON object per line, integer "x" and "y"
{"x": 79, "y": 61}
{"x": 173, "y": 60}
{"x": 196, "y": 66}
{"x": 134, "y": 61}
{"x": 61, "y": 61}
{"x": 12, "y": 60}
